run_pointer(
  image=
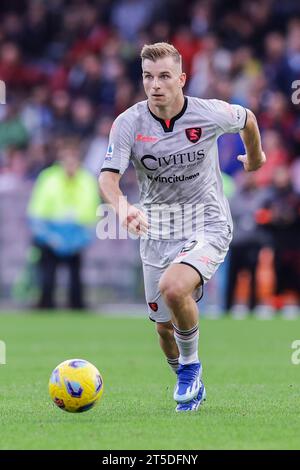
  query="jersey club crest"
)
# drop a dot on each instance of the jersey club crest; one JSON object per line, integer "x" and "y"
{"x": 193, "y": 134}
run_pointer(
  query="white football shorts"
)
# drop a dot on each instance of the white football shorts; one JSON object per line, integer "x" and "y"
{"x": 204, "y": 254}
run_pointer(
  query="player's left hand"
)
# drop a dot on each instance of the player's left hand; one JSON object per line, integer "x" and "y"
{"x": 252, "y": 164}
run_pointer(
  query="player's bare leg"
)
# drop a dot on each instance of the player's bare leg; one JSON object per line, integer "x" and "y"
{"x": 167, "y": 340}
{"x": 168, "y": 344}
{"x": 177, "y": 286}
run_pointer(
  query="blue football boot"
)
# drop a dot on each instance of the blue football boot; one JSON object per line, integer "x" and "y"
{"x": 194, "y": 404}
{"x": 188, "y": 383}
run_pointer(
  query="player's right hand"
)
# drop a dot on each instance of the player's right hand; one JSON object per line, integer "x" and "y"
{"x": 135, "y": 221}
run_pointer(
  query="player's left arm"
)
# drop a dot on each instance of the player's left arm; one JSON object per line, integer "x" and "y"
{"x": 255, "y": 156}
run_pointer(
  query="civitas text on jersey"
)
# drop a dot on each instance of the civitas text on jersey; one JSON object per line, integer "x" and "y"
{"x": 152, "y": 163}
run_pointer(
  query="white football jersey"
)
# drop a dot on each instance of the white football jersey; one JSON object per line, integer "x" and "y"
{"x": 177, "y": 163}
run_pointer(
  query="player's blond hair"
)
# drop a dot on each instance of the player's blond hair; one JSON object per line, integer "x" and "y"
{"x": 159, "y": 50}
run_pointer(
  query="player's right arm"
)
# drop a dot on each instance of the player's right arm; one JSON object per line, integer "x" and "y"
{"x": 115, "y": 163}
{"x": 132, "y": 219}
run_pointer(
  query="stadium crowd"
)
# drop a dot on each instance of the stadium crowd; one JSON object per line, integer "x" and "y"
{"x": 71, "y": 66}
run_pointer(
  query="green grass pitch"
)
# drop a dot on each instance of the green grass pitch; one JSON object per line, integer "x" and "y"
{"x": 253, "y": 389}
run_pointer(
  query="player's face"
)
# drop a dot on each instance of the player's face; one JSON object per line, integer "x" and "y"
{"x": 163, "y": 81}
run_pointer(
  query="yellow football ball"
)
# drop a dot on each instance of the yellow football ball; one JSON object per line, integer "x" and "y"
{"x": 75, "y": 385}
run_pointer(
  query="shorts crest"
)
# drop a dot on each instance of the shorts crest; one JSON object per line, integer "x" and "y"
{"x": 153, "y": 306}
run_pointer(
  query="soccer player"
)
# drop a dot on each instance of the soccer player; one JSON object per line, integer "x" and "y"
{"x": 184, "y": 221}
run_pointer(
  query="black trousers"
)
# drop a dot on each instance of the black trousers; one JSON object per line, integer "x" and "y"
{"x": 49, "y": 262}
{"x": 287, "y": 268}
{"x": 242, "y": 257}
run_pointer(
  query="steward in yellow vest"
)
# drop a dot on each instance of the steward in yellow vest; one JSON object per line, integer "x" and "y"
{"x": 62, "y": 217}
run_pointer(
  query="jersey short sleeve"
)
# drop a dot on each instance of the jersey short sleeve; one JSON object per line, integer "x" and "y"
{"x": 119, "y": 147}
{"x": 228, "y": 118}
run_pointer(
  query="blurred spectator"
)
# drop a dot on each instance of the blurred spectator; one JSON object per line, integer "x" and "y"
{"x": 201, "y": 17}
{"x": 37, "y": 31}
{"x": 278, "y": 115}
{"x": 82, "y": 115}
{"x": 14, "y": 72}
{"x": 98, "y": 147}
{"x": 85, "y": 79}
{"x": 13, "y": 28}
{"x": 281, "y": 215}
{"x": 160, "y": 32}
{"x": 130, "y": 16}
{"x": 275, "y": 44}
{"x": 61, "y": 114}
{"x": 37, "y": 159}
{"x": 209, "y": 61}
{"x": 62, "y": 214}
{"x": 12, "y": 129}
{"x": 247, "y": 239}
{"x": 36, "y": 115}
{"x": 290, "y": 67}
{"x": 13, "y": 169}
{"x": 188, "y": 45}
{"x": 277, "y": 156}
{"x": 124, "y": 96}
